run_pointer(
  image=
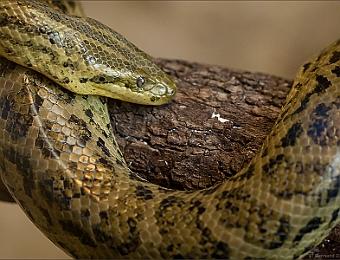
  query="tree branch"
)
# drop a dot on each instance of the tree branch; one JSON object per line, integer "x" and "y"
{"x": 210, "y": 131}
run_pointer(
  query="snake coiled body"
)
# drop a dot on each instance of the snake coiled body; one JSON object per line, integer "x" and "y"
{"x": 61, "y": 163}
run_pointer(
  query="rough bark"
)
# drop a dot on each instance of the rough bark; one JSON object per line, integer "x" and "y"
{"x": 210, "y": 131}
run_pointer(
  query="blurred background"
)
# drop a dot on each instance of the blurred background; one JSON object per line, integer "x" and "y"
{"x": 269, "y": 37}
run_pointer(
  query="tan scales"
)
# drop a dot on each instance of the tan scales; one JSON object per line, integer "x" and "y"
{"x": 59, "y": 158}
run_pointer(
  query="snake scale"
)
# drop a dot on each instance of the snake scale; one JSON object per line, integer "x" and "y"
{"x": 61, "y": 163}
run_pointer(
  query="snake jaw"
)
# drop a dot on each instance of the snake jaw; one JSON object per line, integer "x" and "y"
{"x": 150, "y": 94}
{"x": 146, "y": 87}
{"x": 160, "y": 92}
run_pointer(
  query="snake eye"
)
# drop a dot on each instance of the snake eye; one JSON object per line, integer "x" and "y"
{"x": 140, "y": 82}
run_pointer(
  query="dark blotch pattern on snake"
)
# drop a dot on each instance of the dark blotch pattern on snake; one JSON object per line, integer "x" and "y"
{"x": 60, "y": 160}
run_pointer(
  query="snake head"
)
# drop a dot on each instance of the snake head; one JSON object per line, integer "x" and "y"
{"x": 138, "y": 80}
{"x": 82, "y": 55}
{"x": 150, "y": 86}
{"x": 146, "y": 86}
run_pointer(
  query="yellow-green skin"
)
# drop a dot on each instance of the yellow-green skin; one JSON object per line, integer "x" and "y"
{"x": 81, "y": 54}
{"x": 60, "y": 161}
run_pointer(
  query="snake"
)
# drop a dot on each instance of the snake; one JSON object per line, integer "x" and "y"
{"x": 61, "y": 163}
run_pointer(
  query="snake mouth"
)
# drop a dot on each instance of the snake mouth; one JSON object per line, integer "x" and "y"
{"x": 153, "y": 94}
{"x": 150, "y": 94}
{"x": 161, "y": 89}
{"x": 153, "y": 91}
{"x": 138, "y": 87}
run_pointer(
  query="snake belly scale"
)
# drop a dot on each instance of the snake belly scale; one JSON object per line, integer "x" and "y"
{"x": 60, "y": 161}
